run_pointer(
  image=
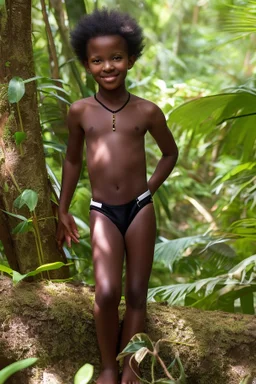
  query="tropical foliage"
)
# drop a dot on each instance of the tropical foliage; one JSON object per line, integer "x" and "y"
{"x": 196, "y": 69}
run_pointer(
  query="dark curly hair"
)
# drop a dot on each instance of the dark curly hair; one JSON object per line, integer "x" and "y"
{"x": 107, "y": 22}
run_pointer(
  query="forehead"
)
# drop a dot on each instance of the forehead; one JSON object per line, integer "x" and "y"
{"x": 102, "y": 45}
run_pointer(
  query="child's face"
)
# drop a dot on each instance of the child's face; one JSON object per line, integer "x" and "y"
{"x": 108, "y": 61}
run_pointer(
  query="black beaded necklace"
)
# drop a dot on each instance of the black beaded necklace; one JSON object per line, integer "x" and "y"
{"x": 113, "y": 112}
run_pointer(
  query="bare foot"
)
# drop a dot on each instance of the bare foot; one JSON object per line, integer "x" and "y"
{"x": 128, "y": 376}
{"x": 108, "y": 376}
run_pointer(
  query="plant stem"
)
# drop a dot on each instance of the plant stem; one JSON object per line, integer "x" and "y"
{"x": 163, "y": 366}
{"x": 176, "y": 342}
{"x": 140, "y": 378}
{"x": 153, "y": 369}
{"x": 22, "y": 128}
{"x": 38, "y": 240}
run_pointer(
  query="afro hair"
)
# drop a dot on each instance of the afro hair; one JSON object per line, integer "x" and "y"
{"x": 103, "y": 23}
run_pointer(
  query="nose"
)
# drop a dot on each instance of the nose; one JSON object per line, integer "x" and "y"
{"x": 108, "y": 66}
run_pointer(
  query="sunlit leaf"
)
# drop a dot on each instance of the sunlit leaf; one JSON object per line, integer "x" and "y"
{"x": 17, "y": 277}
{"x": 6, "y": 372}
{"x": 48, "y": 267}
{"x": 140, "y": 354}
{"x": 5, "y": 269}
{"x": 84, "y": 374}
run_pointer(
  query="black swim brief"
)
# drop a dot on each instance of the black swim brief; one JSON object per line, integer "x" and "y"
{"x": 122, "y": 215}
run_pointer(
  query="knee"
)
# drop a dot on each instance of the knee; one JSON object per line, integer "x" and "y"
{"x": 107, "y": 297}
{"x": 136, "y": 297}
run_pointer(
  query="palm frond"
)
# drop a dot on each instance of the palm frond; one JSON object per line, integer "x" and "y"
{"x": 240, "y": 277}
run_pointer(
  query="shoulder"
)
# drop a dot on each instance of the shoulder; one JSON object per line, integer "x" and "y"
{"x": 148, "y": 108}
{"x": 77, "y": 111}
{"x": 80, "y": 106}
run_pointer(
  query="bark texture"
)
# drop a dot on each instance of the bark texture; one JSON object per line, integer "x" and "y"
{"x": 54, "y": 322}
{"x": 19, "y": 172}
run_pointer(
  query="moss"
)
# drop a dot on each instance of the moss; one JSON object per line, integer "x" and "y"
{"x": 55, "y": 323}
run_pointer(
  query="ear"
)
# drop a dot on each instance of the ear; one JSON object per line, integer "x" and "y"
{"x": 131, "y": 61}
{"x": 87, "y": 67}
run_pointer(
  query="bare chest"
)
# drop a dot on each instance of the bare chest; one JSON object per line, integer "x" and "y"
{"x": 122, "y": 124}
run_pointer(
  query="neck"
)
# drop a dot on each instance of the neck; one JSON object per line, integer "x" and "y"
{"x": 113, "y": 95}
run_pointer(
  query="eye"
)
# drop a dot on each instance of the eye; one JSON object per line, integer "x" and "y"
{"x": 117, "y": 58}
{"x": 96, "y": 61}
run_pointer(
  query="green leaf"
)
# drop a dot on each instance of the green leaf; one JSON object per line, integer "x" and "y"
{"x": 5, "y": 269}
{"x": 138, "y": 341}
{"x": 16, "y": 216}
{"x": 17, "y": 277}
{"x": 2, "y": 3}
{"x": 48, "y": 267}
{"x": 165, "y": 381}
{"x": 84, "y": 374}
{"x": 16, "y": 90}
{"x": 23, "y": 227}
{"x": 19, "y": 137}
{"x": 15, "y": 367}
{"x": 167, "y": 252}
{"x": 182, "y": 378}
{"x": 29, "y": 198}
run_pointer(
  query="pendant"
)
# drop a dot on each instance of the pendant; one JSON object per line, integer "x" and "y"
{"x": 114, "y": 122}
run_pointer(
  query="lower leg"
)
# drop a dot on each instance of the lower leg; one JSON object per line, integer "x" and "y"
{"x": 107, "y": 326}
{"x": 134, "y": 322}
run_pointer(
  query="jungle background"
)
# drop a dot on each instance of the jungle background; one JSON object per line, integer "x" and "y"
{"x": 198, "y": 65}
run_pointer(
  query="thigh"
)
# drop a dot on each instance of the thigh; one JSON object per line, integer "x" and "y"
{"x": 140, "y": 244}
{"x": 107, "y": 250}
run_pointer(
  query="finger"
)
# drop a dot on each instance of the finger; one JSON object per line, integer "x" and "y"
{"x": 74, "y": 229}
{"x": 74, "y": 236}
{"x": 68, "y": 239}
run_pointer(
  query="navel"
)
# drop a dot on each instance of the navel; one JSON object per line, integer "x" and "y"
{"x": 136, "y": 128}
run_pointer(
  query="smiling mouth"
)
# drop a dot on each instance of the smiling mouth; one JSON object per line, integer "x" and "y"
{"x": 109, "y": 78}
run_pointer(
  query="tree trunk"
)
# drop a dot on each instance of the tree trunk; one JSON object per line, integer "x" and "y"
{"x": 18, "y": 172}
{"x": 54, "y": 322}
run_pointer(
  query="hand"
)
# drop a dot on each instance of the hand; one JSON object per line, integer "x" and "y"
{"x": 67, "y": 230}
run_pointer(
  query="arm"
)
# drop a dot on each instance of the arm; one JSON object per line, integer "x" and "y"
{"x": 71, "y": 171}
{"x": 165, "y": 141}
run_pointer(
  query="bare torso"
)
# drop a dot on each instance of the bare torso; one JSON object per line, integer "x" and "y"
{"x": 116, "y": 159}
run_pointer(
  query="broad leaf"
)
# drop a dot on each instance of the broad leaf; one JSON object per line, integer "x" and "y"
{"x": 23, "y": 227}
{"x": 16, "y": 90}
{"x": 15, "y": 367}
{"x": 48, "y": 267}
{"x": 84, "y": 374}
{"x": 17, "y": 277}
{"x": 138, "y": 341}
{"x": 5, "y": 269}
{"x": 19, "y": 137}
{"x": 29, "y": 198}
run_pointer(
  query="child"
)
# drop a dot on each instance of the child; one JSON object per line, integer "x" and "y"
{"x": 113, "y": 124}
